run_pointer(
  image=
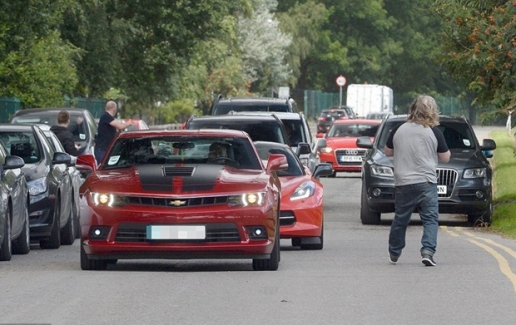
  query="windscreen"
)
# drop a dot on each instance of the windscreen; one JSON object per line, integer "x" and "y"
{"x": 234, "y": 152}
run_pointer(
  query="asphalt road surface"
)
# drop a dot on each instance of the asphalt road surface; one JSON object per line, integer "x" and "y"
{"x": 350, "y": 281}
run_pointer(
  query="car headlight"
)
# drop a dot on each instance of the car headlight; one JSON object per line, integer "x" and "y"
{"x": 382, "y": 171}
{"x": 326, "y": 150}
{"x": 303, "y": 191}
{"x": 475, "y": 173}
{"x": 247, "y": 199}
{"x": 38, "y": 186}
{"x": 107, "y": 199}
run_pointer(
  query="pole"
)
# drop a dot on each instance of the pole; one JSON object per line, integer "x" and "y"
{"x": 340, "y": 96}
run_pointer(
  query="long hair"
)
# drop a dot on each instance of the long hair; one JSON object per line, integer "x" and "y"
{"x": 424, "y": 111}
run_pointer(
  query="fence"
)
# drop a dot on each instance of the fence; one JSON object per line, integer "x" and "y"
{"x": 8, "y": 105}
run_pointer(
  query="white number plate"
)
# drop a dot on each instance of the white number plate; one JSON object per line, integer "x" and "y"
{"x": 350, "y": 158}
{"x": 176, "y": 232}
{"x": 441, "y": 189}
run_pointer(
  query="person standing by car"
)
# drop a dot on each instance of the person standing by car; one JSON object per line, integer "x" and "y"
{"x": 64, "y": 135}
{"x": 108, "y": 127}
{"x": 416, "y": 146}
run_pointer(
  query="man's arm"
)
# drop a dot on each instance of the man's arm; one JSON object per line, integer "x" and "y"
{"x": 443, "y": 153}
{"x": 120, "y": 126}
{"x": 389, "y": 152}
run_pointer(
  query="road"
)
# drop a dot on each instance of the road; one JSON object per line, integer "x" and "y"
{"x": 350, "y": 281}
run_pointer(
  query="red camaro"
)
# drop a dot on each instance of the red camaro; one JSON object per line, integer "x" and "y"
{"x": 301, "y": 216}
{"x": 181, "y": 194}
{"x": 341, "y": 149}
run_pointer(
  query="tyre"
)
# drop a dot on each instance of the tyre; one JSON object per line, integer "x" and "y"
{"x": 87, "y": 264}
{"x": 54, "y": 241}
{"x": 6, "y": 249}
{"x": 367, "y": 216}
{"x": 272, "y": 263}
{"x": 296, "y": 241}
{"x": 68, "y": 232}
{"x": 482, "y": 219}
{"x": 315, "y": 246}
{"x": 22, "y": 244}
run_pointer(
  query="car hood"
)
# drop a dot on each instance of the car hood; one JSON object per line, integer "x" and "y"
{"x": 459, "y": 159}
{"x": 184, "y": 179}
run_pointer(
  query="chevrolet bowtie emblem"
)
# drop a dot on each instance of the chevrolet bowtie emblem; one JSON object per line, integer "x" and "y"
{"x": 177, "y": 203}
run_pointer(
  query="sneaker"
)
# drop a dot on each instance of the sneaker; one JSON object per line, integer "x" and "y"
{"x": 428, "y": 260}
{"x": 393, "y": 258}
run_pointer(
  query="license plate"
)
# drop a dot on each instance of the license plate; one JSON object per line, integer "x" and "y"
{"x": 176, "y": 232}
{"x": 351, "y": 158}
{"x": 441, "y": 189}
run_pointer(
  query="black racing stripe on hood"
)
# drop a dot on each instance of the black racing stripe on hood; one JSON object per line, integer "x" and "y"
{"x": 153, "y": 178}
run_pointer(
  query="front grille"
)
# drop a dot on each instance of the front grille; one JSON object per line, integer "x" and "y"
{"x": 215, "y": 233}
{"x": 287, "y": 218}
{"x": 448, "y": 178}
{"x": 350, "y": 156}
{"x": 177, "y": 203}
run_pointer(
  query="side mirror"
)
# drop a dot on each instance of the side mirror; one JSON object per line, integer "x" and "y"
{"x": 488, "y": 144}
{"x": 323, "y": 169}
{"x": 61, "y": 158}
{"x": 364, "y": 142}
{"x": 86, "y": 164}
{"x": 13, "y": 162}
{"x": 276, "y": 162}
{"x": 303, "y": 148}
{"x": 320, "y": 143}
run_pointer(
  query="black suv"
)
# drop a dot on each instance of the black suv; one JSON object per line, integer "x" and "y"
{"x": 259, "y": 127}
{"x": 253, "y": 104}
{"x": 464, "y": 183}
{"x": 82, "y": 124}
{"x": 327, "y": 116}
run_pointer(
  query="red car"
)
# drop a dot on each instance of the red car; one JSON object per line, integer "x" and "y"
{"x": 301, "y": 217}
{"x": 341, "y": 149}
{"x": 162, "y": 194}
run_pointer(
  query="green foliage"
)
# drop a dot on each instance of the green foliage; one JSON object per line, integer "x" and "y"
{"x": 479, "y": 48}
{"x": 177, "y": 111}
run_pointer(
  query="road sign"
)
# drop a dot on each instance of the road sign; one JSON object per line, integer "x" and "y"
{"x": 341, "y": 81}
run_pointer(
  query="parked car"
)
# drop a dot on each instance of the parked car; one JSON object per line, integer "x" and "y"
{"x": 82, "y": 124}
{"x": 50, "y": 188}
{"x": 14, "y": 214}
{"x": 181, "y": 203}
{"x": 328, "y": 116}
{"x": 76, "y": 178}
{"x": 252, "y": 104}
{"x": 263, "y": 127}
{"x": 341, "y": 150}
{"x": 298, "y": 134}
{"x": 464, "y": 183}
{"x": 301, "y": 208}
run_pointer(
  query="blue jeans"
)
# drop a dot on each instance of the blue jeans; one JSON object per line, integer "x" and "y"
{"x": 422, "y": 196}
{"x": 99, "y": 154}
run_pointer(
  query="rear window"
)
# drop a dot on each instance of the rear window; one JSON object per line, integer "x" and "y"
{"x": 258, "y": 130}
{"x": 21, "y": 144}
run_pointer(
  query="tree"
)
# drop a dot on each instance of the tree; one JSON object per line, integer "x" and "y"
{"x": 479, "y": 44}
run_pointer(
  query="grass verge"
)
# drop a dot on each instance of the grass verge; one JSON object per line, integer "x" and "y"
{"x": 504, "y": 184}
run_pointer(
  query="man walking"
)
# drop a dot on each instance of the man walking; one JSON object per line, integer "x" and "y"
{"x": 417, "y": 145}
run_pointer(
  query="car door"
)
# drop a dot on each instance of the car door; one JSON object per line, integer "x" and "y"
{"x": 59, "y": 176}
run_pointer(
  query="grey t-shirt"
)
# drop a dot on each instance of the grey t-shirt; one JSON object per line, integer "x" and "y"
{"x": 415, "y": 153}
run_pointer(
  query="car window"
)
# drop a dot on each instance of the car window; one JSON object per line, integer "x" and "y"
{"x": 353, "y": 130}
{"x": 21, "y": 144}
{"x": 268, "y": 130}
{"x": 181, "y": 150}
{"x": 295, "y": 131}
